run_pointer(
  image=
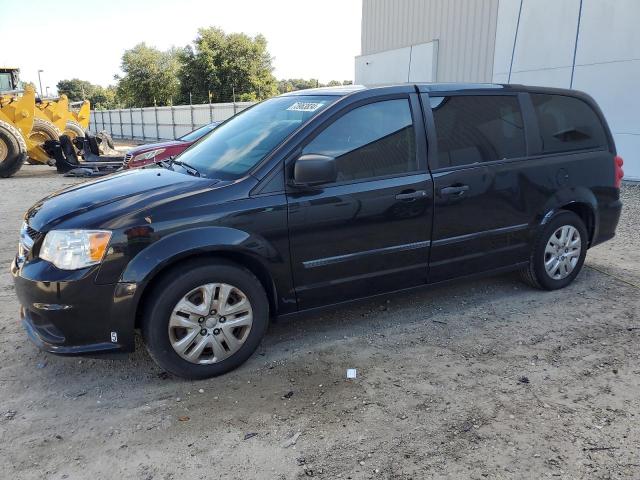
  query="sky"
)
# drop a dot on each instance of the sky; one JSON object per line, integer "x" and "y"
{"x": 307, "y": 39}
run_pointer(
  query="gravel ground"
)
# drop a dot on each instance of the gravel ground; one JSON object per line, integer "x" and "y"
{"x": 483, "y": 379}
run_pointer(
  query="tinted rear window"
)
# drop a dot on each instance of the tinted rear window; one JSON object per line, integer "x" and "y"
{"x": 567, "y": 123}
{"x": 475, "y": 129}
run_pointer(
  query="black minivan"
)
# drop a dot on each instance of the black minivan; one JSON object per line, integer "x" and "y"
{"x": 314, "y": 198}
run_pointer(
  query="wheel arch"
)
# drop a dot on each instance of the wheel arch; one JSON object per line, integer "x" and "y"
{"x": 580, "y": 201}
{"x": 147, "y": 268}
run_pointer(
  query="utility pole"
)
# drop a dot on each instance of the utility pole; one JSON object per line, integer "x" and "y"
{"x": 233, "y": 92}
{"x": 40, "y": 82}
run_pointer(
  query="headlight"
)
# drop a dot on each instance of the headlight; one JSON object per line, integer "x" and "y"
{"x": 148, "y": 155}
{"x": 74, "y": 249}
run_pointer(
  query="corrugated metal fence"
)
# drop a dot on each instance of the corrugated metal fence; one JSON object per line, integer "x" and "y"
{"x": 156, "y": 123}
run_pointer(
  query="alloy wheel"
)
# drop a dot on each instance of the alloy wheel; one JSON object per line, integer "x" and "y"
{"x": 562, "y": 252}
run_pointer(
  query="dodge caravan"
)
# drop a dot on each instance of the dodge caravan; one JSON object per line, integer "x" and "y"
{"x": 311, "y": 199}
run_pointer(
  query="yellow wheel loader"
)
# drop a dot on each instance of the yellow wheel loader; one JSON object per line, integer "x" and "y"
{"x": 16, "y": 121}
{"x": 78, "y": 121}
{"x": 49, "y": 122}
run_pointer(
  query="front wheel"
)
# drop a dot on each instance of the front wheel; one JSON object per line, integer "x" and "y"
{"x": 558, "y": 253}
{"x": 12, "y": 150}
{"x": 205, "y": 320}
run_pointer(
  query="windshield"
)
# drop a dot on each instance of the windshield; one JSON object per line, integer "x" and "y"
{"x": 198, "y": 132}
{"x": 5, "y": 81}
{"x": 239, "y": 144}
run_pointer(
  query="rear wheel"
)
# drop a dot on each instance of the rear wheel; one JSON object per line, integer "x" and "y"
{"x": 40, "y": 133}
{"x": 558, "y": 253}
{"x": 205, "y": 320}
{"x": 73, "y": 130}
{"x": 12, "y": 150}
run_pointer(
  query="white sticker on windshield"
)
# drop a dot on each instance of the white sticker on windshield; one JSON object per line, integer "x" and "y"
{"x": 304, "y": 107}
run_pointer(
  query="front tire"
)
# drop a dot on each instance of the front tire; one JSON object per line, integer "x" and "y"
{"x": 558, "y": 252}
{"x": 12, "y": 150}
{"x": 201, "y": 321}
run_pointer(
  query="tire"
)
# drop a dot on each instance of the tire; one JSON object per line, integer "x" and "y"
{"x": 12, "y": 150}
{"x": 40, "y": 133}
{"x": 165, "y": 299}
{"x": 536, "y": 273}
{"x": 73, "y": 130}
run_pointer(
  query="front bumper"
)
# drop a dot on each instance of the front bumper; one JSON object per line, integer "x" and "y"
{"x": 67, "y": 313}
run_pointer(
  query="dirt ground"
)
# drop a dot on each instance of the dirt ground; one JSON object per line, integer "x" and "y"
{"x": 483, "y": 379}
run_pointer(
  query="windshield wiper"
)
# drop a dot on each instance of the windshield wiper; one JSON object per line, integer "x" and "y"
{"x": 190, "y": 170}
{"x": 166, "y": 163}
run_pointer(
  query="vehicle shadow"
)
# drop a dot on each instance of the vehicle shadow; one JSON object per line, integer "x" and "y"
{"x": 287, "y": 338}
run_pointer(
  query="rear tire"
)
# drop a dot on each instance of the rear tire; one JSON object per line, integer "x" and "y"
{"x": 12, "y": 150}
{"x": 201, "y": 349}
{"x": 40, "y": 133}
{"x": 558, "y": 252}
{"x": 73, "y": 130}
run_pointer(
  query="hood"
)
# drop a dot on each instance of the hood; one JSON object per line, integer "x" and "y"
{"x": 114, "y": 195}
{"x": 154, "y": 146}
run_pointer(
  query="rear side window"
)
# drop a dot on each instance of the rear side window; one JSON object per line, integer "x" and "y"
{"x": 567, "y": 123}
{"x": 475, "y": 129}
{"x": 371, "y": 141}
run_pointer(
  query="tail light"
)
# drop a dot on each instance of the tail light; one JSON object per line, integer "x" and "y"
{"x": 619, "y": 173}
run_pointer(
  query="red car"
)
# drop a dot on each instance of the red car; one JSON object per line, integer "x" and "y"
{"x": 154, "y": 152}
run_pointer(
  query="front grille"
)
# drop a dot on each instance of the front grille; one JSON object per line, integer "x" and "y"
{"x": 28, "y": 237}
{"x": 127, "y": 159}
{"x": 33, "y": 234}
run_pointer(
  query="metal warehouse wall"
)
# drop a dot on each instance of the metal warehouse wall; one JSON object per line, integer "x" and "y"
{"x": 589, "y": 45}
{"x": 157, "y": 123}
{"x": 465, "y": 29}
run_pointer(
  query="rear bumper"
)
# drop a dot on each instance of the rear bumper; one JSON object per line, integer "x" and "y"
{"x": 67, "y": 313}
{"x": 608, "y": 218}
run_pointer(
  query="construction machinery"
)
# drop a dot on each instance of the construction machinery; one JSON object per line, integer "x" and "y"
{"x": 27, "y": 122}
{"x": 78, "y": 121}
{"x": 16, "y": 121}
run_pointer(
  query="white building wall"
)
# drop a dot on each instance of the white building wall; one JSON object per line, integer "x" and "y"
{"x": 417, "y": 63}
{"x": 589, "y": 45}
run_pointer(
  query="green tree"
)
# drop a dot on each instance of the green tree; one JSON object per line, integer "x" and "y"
{"x": 77, "y": 90}
{"x": 150, "y": 77}
{"x": 105, "y": 98}
{"x": 219, "y": 65}
{"x": 291, "y": 84}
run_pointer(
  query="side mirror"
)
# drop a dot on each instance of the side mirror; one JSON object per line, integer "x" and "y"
{"x": 313, "y": 169}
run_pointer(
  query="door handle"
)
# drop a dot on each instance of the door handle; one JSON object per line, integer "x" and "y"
{"x": 454, "y": 190}
{"x": 411, "y": 195}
